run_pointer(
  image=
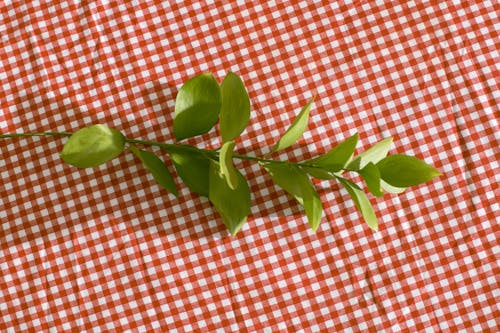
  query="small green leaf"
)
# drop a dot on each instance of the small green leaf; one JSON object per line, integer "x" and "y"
{"x": 371, "y": 175}
{"x": 337, "y": 157}
{"x": 92, "y": 146}
{"x": 318, "y": 173}
{"x": 374, "y": 154}
{"x": 197, "y": 106}
{"x": 405, "y": 171}
{"x": 233, "y": 205}
{"x": 193, "y": 168}
{"x": 157, "y": 168}
{"x": 226, "y": 164}
{"x": 361, "y": 201}
{"x": 391, "y": 189}
{"x": 296, "y": 129}
{"x": 235, "y": 110}
{"x": 296, "y": 182}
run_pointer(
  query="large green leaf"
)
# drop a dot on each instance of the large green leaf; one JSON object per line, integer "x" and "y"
{"x": 197, "y": 106}
{"x": 337, "y": 157}
{"x": 233, "y": 205}
{"x": 361, "y": 201}
{"x": 157, "y": 168}
{"x": 226, "y": 164}
{"x": 405, "y": 171}
{"x": 92, "y": 146}
{"x": 235, "y": 110}
{"x": 374, "y": 154}
{"x": 296, "y": 182}
{"x": 193, "y": 168}
{"x": 371, "y": 176}
{"x": 296, "y": 129}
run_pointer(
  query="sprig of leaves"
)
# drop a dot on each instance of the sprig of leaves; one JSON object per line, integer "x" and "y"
{"x": 200, "y": 103}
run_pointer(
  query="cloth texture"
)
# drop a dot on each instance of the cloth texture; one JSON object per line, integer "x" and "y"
{"x": 108, "y": 250}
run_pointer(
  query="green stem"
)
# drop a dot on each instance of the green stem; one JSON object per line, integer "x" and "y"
{"x": 165, "y": 146}
{"x": 168, "y": 147}
{"x": 265, "y": 160}
{"x": 17, "y": 135}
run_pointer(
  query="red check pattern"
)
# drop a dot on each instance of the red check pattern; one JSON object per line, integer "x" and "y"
{"x": 107, "y": 250}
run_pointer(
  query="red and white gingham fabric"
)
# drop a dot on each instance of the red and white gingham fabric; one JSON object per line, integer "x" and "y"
{"x": 106, "y": 249}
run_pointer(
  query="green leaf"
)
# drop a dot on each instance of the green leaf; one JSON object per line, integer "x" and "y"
{"x": 361, "y": 201}
{"x": 197, "y": 106}
{"x": 337, "y": 157}
{"x": 235, "y": 110}
{"x": 318, "y": 173}
{"x": 374, "y": 154}
{"x": 233, "y": 205}
{"x": 391, "y": 189}
{"x": 193, "y": 168}
{"x": 226, "y": 164}
{"x": 157, "y": 168}
{"x": 371, "y": 175}
{"x": 405, "y": 171}
{"x": 92, "y": 146}
{"x": 296, "y": 182}
{"x": 296, "y": 129}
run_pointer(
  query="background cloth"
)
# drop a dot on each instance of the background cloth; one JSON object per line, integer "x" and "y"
{"x": 106, "y": 249}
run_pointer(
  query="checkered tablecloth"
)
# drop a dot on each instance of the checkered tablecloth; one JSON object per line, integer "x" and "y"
{"x": 107, "y": 250}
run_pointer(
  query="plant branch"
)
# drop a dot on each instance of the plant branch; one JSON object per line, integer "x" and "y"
{"x": 168, "y": 147}
{"x": 18, "y": 135}
{"x": 211, "y": 172}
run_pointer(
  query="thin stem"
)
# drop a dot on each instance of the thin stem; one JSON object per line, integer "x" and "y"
{"x": 264, "y": 160}
{"x": 17, "y": 135}
{"x": 259, "y": 159}
{"x": 165, "y": 146}
{"x": 169, "y": 147}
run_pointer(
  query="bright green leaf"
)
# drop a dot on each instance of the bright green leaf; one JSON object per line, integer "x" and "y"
{"x": 361, "y": 201}
{"x": 391, "y": 189}
{"x": 197, "y": 106}
{"x": 193, "y": 168}
{"x": 233, "y": 205}
{"x": 296, "y": 182}
{"x": 296, "y": 129}
{"x": 235, "y": 110}
{"x": 92, "y": 146}
{"x": 405, "y": 171}
{"x": 226, "y": 164}
{"x": 337, "y": 157}
{"x": 371, "y": 175}
{"x": 374, "y": 154}
{"x": 157, "y": 168}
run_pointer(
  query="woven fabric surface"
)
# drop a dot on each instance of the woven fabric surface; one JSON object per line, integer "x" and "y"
{"x": 106, "y": 249}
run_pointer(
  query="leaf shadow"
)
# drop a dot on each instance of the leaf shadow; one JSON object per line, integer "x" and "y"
{"x": 159, "y": 100}
{"x": 191, "y": 216}
{"x": 285, "y": 204}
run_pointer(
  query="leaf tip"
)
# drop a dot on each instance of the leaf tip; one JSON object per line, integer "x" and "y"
{"x": 234, "y": 230}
